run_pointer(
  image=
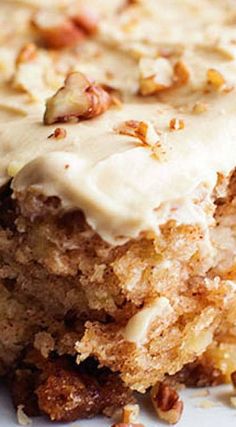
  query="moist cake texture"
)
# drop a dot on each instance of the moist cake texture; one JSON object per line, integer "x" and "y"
{"x": 118, "y": 198}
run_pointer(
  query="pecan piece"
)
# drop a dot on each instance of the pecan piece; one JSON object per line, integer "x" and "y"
{"x": 78, "y": 99}
{"x": 156, "y": 75}
{"x": 86, "y": 20}
{"x": 181, "y": 74}
{"x": 56, "y": 30}
{"x": 166, "y": 403}
{"x": 144, "y": 131}
{"x": 26, "y": 54}
{"x": 176, "y": 124}
{"x": 215, "y": 79}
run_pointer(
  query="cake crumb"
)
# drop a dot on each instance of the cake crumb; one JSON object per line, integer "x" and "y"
{"x": 22, "y": 418}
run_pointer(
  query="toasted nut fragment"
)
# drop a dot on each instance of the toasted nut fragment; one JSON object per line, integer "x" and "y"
{"x": 59, "y": 133}
{"x": 155, "y": 75}
{"x": 87, "y": 21}
{"x": 143, "y": 130}
{"x": 78, "y": 99}
{"x": 215, "y": 79}
{"x": 176, "y": 124}
{"x": 56, "y": 30}
{"x": 200, "y": 107}
{"x": 166, "y": 403}
{"x": 181, "y": 74}
{"x": 130, "y": 413}
{"x": 27, "y": 53}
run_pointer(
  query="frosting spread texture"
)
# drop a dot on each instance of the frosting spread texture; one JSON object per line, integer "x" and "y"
{"x": 171, "y": 64}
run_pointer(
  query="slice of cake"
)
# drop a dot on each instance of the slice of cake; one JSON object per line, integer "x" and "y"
{"x": 117, "y": 218}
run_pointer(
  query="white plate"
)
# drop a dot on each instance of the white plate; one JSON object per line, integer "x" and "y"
{"x": 219, "y": 414}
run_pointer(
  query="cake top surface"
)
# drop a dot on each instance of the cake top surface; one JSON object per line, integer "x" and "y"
{"x": 169, "y": 68}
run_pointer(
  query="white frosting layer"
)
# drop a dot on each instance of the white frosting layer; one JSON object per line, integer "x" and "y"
{"x": 120, "y": 186}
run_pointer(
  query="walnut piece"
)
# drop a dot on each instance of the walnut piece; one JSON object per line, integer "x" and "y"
{"x": 176, "y": 124}
{"x": 166, "y": 403}
{"x": 78, "y": 99}
{"x": 56, "y": 30}
{"x": 144, "y": 131}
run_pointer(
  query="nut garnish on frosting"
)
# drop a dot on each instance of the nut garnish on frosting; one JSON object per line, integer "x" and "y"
{"x": 176, "y": 124}
{"x": 215, "y": 79}
{"x": 78, "y": 99}
{"x": 59, "y": 133}
{"x": 142, "y": 130}
{"x": 56, "y": 30}
{"x": 157, "y": 75}
{"x": 27, "y": 53}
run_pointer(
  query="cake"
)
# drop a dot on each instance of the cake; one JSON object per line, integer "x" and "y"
{"x": 118, "y": 195}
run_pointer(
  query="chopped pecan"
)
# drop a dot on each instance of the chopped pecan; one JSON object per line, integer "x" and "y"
{"x": 176, "y": 124}
{"x": 27, "y": 53}
{"x": 59, "y": 133}
{"x": 139, "y": 129}
{"x": 56, "y": 30}
{"x": 181, "y": 74}
{"x": 78, "y": 99}
{"x": 215, "y": 79}
{"x": 156, "y": 75}
{"x": 167, "y": 403}
{"x": 200, "y": 107}
{"x": 86, "y": 20}
{"x": 159, "y": 74}
{"x": 130, "y": 413}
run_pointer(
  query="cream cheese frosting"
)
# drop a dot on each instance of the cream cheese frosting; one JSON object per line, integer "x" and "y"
{"x": 122, "y": 188}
